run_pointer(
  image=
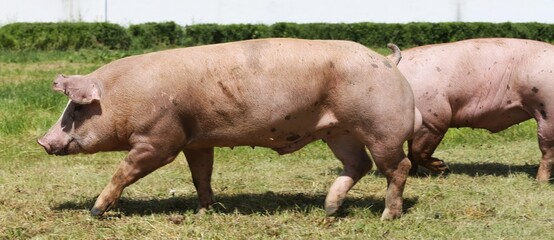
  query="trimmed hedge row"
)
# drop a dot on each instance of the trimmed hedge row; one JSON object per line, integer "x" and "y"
{"x": 63, "y": 36}
{"x": 149, "y": 35}
{"x": 74, "y": 36}
{"x": 371, "y": 34}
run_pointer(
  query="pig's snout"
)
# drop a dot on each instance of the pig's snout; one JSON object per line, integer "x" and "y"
{"x": 57, "y": 146}
{"x": 45, "y": 145}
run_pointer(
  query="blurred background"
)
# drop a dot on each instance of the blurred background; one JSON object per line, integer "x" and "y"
{"x": 187, "y": 12}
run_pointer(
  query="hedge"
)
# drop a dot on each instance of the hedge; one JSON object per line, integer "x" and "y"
{"x": 73, "y": 36}
{"x": 371, "y": 34}
{"x": 149, "y": 35}
{"x": 63, "y": 36}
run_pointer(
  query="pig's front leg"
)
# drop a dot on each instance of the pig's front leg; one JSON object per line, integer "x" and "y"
{"x": 201, "y": 166}
{"x": 141, "y": 160}
{"x": 422, "y": 147}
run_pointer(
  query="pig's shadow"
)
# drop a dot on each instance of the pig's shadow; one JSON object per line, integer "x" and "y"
{"x": 485, "y": 169}
{"x": 245, "y": 204}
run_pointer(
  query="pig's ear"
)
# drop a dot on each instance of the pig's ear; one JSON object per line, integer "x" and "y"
{"x": 79, "y": 89}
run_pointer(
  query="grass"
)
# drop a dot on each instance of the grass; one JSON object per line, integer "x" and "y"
{"x": 490, "y": 194}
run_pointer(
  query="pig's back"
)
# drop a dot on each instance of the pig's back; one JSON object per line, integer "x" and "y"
{"x": 239, "y": 89}
{"x": 283, "y": 72}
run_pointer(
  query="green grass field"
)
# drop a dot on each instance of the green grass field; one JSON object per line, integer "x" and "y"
{"x": 490, "y": 194}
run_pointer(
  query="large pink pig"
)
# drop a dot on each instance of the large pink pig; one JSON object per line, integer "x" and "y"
{"x": 275, "y": 93}
{"x": 481, "y": 83}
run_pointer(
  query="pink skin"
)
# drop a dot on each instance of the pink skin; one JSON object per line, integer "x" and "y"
{"x": 481, "y": 83}
{"x": 275, "y": 93}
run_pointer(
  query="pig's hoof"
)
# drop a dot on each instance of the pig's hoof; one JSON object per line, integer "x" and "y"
{"x": 437, "y": 165}
{"x": 331, "y": 210}
{"x": 390, "y": 215}
{"x": 203, "y": 211}
{"x": 335, "y": 210}
{"x": 95, "y": 212}
{"x": 446, "y": 171}
{"x": 543, "y": 176}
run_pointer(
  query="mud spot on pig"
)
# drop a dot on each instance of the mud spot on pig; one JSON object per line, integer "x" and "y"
{"x": 374, "y": 65}
{"x": 225, "y": 115}
{"x": 225, "y": 90}
{"x": 435, "y": 114}
{"x": 509, "y": 102}
{"x": 293, "y": 137}
{"x": 370, "y": 89}
{"x": 287, "y": 117}
{"x": 439, "y": 69}
{"x": 273, "y": 130}
{"x": 508, "y": 87}
{"x": 387, "y": 64}
{"x": 535, "y": 89}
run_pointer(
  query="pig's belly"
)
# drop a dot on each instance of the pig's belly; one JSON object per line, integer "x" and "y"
{"x": 282, "y": 136}
{"x": 282, "y": 143}
{"x": 494, "y": 121}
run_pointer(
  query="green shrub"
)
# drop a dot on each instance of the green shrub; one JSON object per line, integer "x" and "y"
{"x": 74, "y": 36}
{"x": 375, "y": 34}
{"x": 6, "y": 41}
{"x": 370, "y": 34}
{"x": 414, "y": 34}
{"x": 149, "y": 35}
{"x": 63, "y": 36}
{"x": 202, "y": 34}
{"x": 286, "y": 30}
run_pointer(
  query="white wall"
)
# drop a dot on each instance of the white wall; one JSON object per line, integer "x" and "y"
{"x": 185, "y": 12}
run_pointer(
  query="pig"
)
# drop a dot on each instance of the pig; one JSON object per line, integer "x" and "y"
{"x": 275, "y": 93}
{"x": 481, "y": 83}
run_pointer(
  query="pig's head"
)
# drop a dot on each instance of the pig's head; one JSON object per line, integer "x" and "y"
{"x": 78, "y": 130}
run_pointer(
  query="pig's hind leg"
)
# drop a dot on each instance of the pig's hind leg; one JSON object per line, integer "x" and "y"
{"x": 385, "y": 143}
{"x": 393, "y": 163}
{"x": 357, "y": 163}
{"x": 201, "y": 166}
{"x": 421, "y": 149}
